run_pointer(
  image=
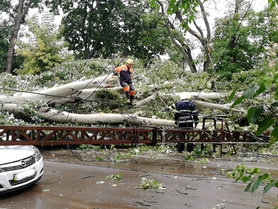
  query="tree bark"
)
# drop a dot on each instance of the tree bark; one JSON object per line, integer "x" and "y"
{"x": 63, "y": 93}
{"x": 199, "y": 35}
{"x": 97, "y": 118}
{"x": 218, "y": 106}
{"x": 181, "y": 42}
{"x": 21, "y": 13}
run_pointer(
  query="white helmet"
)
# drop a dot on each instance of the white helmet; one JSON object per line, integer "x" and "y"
{"x": 130, "y": 61}
{"x": 187, "y": 97}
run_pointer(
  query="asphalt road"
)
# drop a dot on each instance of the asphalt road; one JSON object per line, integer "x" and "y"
{"x": 68, "y": 183}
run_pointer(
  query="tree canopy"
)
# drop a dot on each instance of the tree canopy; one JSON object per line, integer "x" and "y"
{"x": 107, "y": 28}
{"x": 45, "y": 50}
{"x": 242, "y": 49}
{"x": 240, "y": 42}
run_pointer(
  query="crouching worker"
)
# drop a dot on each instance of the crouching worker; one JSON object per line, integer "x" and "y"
{"x": 186, "y": 116}
{"x": 126, "y": 73}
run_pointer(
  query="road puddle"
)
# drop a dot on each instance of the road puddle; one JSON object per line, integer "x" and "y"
{"x": 80, "y": 183}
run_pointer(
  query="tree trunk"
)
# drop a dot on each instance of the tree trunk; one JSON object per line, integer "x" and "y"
{"x": 97, "y": 118}
{"x": 181, "y": 42}
{"x": 22, "y": 9}
{"x": 63, "y": 93}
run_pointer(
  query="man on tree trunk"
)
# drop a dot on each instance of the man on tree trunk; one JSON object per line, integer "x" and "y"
{"x": 126, "y": 73}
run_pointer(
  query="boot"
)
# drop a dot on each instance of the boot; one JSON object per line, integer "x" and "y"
{"x": 127, "y": 97}
{"x": 131, "y": 99}
{"x": 190, "y": 147}
{"x": 180, "y": 147}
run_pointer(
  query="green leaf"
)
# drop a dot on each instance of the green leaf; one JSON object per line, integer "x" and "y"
{"x": 237, "y": 179}
{"x": 238, "y": 101}
{"x": 272, "y": 3}
{"x": 247, "y": 188}
{"x": 269, "y": 186}
{"x": 274, "y": 134}
{"x": 256, "y": 185}
{"x": 254, "y": 113}
{"x": 232, "y": 95}
{"x": 249, "y": 93}
{"x": 261, "y": 89}
{"x": 265, "y": 124}
{"x": 265, "y": 176}
{"x": 244, "y": 179}
{"x": 255, "y": 170}
{"x": 260, "y": 178}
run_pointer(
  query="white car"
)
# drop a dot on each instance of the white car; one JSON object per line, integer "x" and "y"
{"x": 20, "y": 166}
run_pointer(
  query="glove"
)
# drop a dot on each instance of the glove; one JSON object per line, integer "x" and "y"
{"x": 165, "y": 109}
{"x": 115, "y": 73}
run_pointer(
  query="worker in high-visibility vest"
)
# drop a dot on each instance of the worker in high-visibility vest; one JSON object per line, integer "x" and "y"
{"x": 126, "y": 73}
{"x": 186, "y": 116}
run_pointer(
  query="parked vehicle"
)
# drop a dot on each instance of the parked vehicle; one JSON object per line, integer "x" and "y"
{"x": 20, "y": 166}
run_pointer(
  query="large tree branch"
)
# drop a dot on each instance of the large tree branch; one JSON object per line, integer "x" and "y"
{"x": 97, "y": 118}
{"x": 61, "y": 93}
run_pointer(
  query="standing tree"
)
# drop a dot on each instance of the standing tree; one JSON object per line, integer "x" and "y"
{"x": 4, "y": 44}
{"x": 45, "y": 50}
{"x": 4, "y": 34}
{"x": 184, "y": 13}
{"x": 241, "y": 40}
{"x": 91, "y": 28}
{"x": 105, "y": 28}
{"x": 20, "y": 11}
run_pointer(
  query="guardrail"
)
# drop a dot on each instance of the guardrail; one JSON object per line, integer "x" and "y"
{"x": 55, "y": 136}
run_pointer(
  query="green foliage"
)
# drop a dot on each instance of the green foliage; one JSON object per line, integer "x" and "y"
{"x": 107, "y": 99}
{"x": 240, "y": 47}
{"x": 116, "y": 176}
{"x": 262, "y": 91}
{"x": 170, "y": 77}
{"x": 165, "y": 77}
{"x": 253, "y": 180}
{"x": 99, "y": 158}
{"x": 151, "y": 37}
{"x": 103, "y": 28}
{"x": 272, "y": 3}
{"x": 147, "y": 183}
{"x": 250, "y": 93}
{"x": 14, "y": 15}
{"x": 190, "y": 156}
{"x": 5, "y": 31}
{"x": 187, "y": 8}
{"x": 94, "y": 38}
{"x": 200, "y": 153}
{"x": 5, "y": 5}
{"x": 4, "y": 44}
{"x": 43, "y": 54}
{"x": 88, "y": 147}
{"x": 120, "y": 157}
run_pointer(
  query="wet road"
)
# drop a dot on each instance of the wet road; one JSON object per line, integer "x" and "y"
{"x": 68, "y": 183}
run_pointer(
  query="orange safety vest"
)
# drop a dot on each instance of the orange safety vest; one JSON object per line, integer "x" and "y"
{"x": 125, "y": 73}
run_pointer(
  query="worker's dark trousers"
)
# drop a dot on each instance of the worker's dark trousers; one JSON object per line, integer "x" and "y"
{"x": 189, "y": 146}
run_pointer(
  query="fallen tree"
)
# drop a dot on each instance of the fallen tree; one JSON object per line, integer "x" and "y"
{"x": 85, "y": 91}
{"x": 97, "y": 118}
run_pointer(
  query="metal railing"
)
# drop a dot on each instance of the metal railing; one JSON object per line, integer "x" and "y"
{"x": 55, "y": 136}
